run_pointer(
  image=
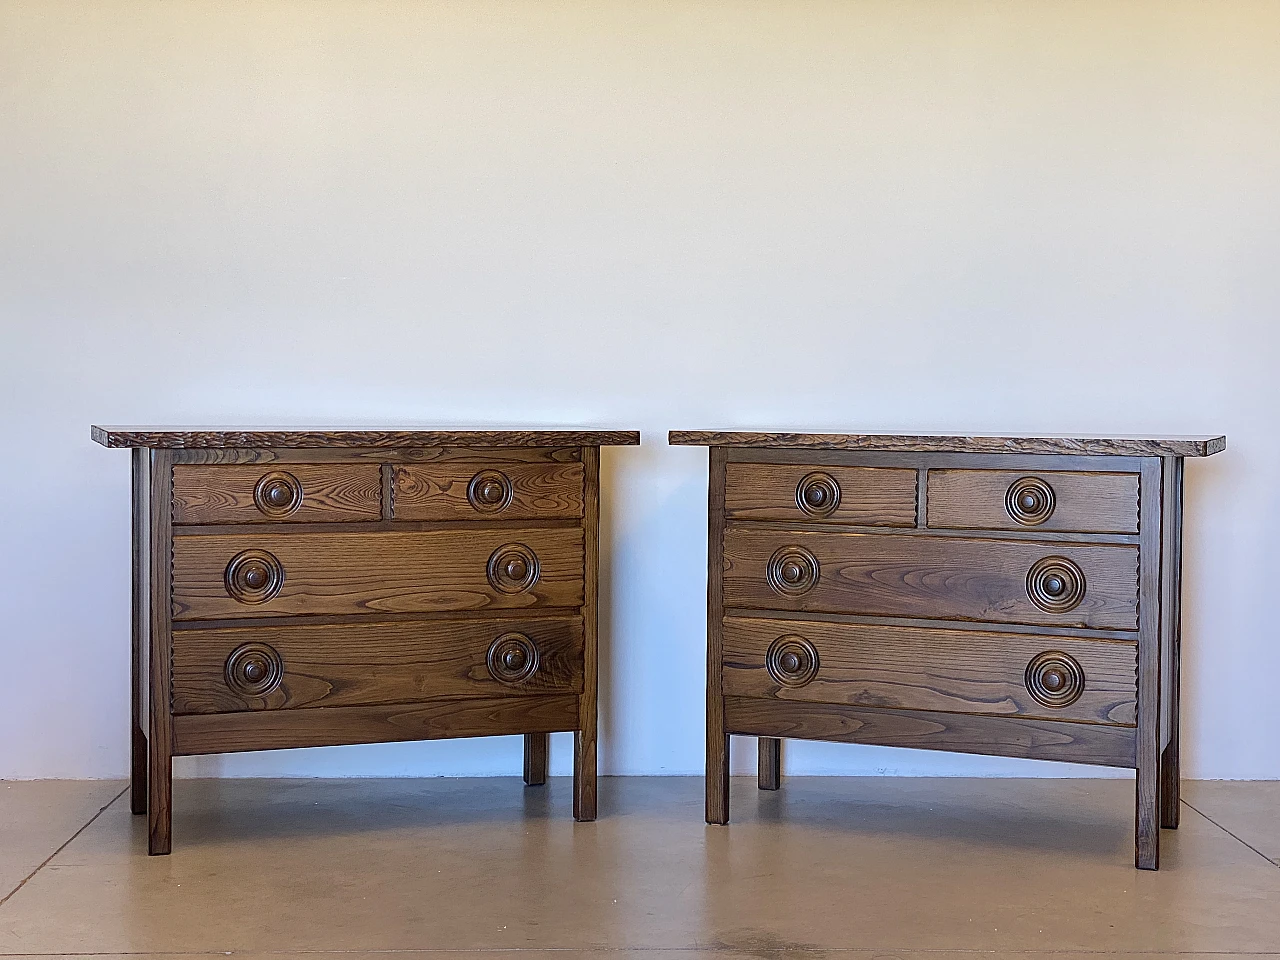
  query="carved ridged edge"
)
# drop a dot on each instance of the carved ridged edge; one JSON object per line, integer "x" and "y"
{"x": 179, "y": 438}
{"x": 1199, "y": 446}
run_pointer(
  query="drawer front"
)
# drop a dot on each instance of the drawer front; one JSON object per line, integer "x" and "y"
{"x": 865, "y": 496}
{"x": 476, "y": 490}
{"x": 279, "y": 574}
{"x": 1020, "y": 500}
{"x": 917, "y": 668}
{"x": 896, "y": 575}
{"x": 367, "y": 664}
{"x": 276, "y": 493}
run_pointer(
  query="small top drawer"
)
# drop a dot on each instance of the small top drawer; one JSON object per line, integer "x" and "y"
{"x": 1071, "y": 502}
{"x": 863, "y": 496}
{"x": 273, "y": 493}
{"x": 480, "y": 490}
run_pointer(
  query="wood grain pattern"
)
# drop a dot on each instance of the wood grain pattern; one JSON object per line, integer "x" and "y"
{"x": 923, "y": 730}
{"x": 495, "y": 456}
{"x": 717, "y": 769}
{"x": 584, "y": 737}
{"x": 938, "y": 577}
{"x": 769, "y": 763}
{"x": 1083, "y": 502}
{"x": 1147, "y": 807}
{"x": 869, "y": 496}
{"x": 225, "y": 494}
{"x": 281, "y": 437}
{"x": 908, "y": 668}
{"x": 1171, "y": 644}
{"x": 196, "y": 734}
{"x": 373, "y": 663}
{"x": 1197, "y": 446}
{"x": 377, "y": 572}
{"x": 160, "y": 630}
{"x": 439, "y": 491}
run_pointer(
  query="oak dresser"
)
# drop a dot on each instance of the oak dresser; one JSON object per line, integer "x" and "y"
{"x": 1016, "y": 596}
{"x": 297, "y": 588}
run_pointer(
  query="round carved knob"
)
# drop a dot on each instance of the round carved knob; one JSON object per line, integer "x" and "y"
{"x": 1029, "y": 501}
{"x": 818, "y": 494}
{"x": 513, "y": 568}
{"x": 254, "y": 669}
{"x": 277, "y": 494}
{"x": 1054, "y": 678}
{"x": 512, "y": 658}
{"x": 792, "y": 571}
{"x": 489, "y": 491}
{"x": 253, "y": 576}
{"x": 791, "y": 660}
{"x": 1055, "y": 584}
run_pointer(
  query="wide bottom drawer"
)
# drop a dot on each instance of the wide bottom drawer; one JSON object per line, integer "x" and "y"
{"x": 340, "y": 665}
{"x": 921, "y": 668}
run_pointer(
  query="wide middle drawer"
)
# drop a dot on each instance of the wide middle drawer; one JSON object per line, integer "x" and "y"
{"x": 365, "y": 664}
{"x": 929, "y": 576}
{"x": 279, "y": 573}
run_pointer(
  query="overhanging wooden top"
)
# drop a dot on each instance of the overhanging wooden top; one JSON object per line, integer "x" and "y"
{"x": 256, "y": 438}
{"x": 1202, "y": 446}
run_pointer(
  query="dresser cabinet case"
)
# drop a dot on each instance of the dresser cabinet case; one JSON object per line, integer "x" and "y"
{"x": 297, "y": 588}
{"x": 992, "y": 595}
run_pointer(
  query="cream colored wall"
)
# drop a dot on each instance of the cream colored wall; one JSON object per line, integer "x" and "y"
{"x": 859, "y": 215}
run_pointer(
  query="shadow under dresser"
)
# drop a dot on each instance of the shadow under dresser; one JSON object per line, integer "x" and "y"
{"x": 297, "y": 588}
{"x": 1015, "y": 596}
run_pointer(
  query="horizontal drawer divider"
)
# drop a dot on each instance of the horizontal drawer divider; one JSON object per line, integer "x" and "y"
{"x": 326, "y": 619}
{"x": 1071, "y": 742}
{"x": 1031, "y": 629}
{"x": 371, "y": 526}
{"x": 197, "y": 734}
{"x": 1046, "y": 536}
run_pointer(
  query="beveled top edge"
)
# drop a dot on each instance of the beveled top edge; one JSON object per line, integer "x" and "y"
{"x": 255, "y": 438}
{"x": 1203, "y": 446}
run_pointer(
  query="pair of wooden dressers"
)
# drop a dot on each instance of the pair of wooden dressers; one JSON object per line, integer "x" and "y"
{"x": 298, "y": 588}
{"x": 1014, "y": 596}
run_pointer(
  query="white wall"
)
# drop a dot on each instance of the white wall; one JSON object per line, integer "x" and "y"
{"x": 854, "y": 215}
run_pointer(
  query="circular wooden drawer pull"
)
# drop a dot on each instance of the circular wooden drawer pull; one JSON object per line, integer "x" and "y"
{"x": 254, "y": 576}
{"x": 254, "y": 669}
{"x": 791, "y": 660}
{"x": 489, "y": 491}
{"x": 277, "y": 494}
{"x": 1055, "y": 584}
{"x": 818, "y": 494}
{"x": 792, "y": 571}
{"x": 513, "y": 568}
{"x": 1055, "y": 679}
{"x": 512, "y": 658}
{"x": 1029, "y": 501}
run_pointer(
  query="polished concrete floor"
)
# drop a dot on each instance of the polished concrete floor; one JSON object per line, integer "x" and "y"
{"x": 915, "y": 869}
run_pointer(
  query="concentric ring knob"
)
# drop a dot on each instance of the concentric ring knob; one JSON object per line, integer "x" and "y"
{"x": 1029, "y": 501}
{"x": 792, "y": 571}
{"x": 1055, "y": 679}
{"x": 512, "y": 658}
{"x": 791, "y": 660}
{"x": 489, "y": 491}
{"x": 254, "y": 670}
{"x": 513, "y": 568}
{"x": 818, "y": 494}
{"x": 1055, "y": 584}
{"x": 277, "y": 494}
{"x": 253, "y": 576}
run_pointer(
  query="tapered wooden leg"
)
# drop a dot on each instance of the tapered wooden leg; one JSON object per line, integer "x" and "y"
{"x": 770, "y": 772}
{"x": 535, "y": 758}
{"x": 1170, "y": 786}
{"x": 584, "y": 774}
{"x": 138, "y": 635}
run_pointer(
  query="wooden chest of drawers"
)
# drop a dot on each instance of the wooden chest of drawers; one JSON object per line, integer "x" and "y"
{"x": 303, "y": 588}
{"x": 1014, "y": 596}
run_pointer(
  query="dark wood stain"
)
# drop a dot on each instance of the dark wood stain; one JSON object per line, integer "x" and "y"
{"x": 1083, "y": 502}
{"x": 868, "y": 496}
{"x": 441, "y": 491}
{"x": 225, "y": 494}
{"x": 157, "y": 438}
